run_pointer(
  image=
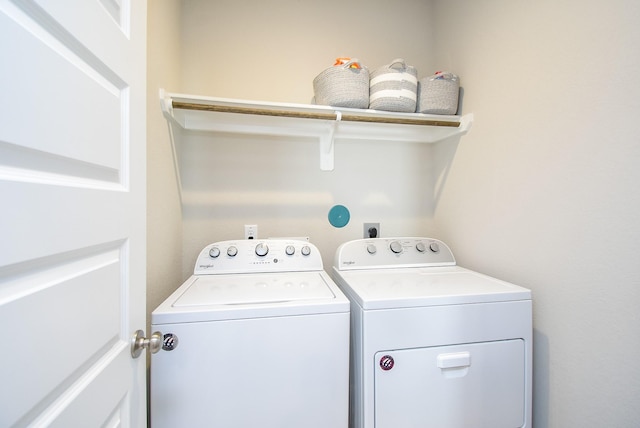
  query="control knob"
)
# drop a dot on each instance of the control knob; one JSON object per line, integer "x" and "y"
{"x": 371, "y": 249}
{"x": 262, "y": 249}
{"x": 232, "y": 251}
{"x": 306, "y": 250}
{"x": 290, "y": 250}
{"x": 434, "y": 247}
{"x": 214, "y": 252}
{"x": 396, "y": 247}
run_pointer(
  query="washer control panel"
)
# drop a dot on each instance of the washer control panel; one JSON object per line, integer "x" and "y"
{"x": 258, "y": 255}
{"x": 393, "y": 253}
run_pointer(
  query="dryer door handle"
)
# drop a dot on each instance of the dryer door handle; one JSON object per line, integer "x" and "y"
{"x": 456, "y": 360}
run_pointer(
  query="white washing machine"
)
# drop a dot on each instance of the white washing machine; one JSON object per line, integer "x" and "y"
{"x": 433, "y": 344}
{"x": 262, "y": 336}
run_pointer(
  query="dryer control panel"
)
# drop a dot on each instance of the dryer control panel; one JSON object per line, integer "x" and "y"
{"x": 258, "y": 255}
{"x": 380, "y": 253}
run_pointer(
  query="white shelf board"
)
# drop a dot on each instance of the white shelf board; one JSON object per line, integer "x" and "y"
{"x": 325, "y": 123}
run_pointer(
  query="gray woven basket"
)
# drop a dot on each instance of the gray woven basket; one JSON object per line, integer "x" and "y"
{"x": 438, "y": 94}
{"x": 394, "y": 87}
{"x": 343, "y": 86}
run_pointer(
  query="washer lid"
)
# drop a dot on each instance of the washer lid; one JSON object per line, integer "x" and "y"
{"x": 242, "y": 296}
{"x": 435, "y": 286}
{"x": 246, "y": 289}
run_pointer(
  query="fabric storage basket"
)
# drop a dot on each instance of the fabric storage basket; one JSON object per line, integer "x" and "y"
{"x": 394, "y": 87}
{"x": 346, "y": 84}
{"x": 438, "y": 94}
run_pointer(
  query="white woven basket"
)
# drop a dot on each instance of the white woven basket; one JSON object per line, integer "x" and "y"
{"x": 438, "y": 94}
{"x": 343, "y": 86}
{"x": 394, "y": 87}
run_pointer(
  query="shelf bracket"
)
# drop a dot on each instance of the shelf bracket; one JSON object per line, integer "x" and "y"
{"x": 327, "y": 144}
{"x": 167, "y": 110}
{"x": 465, "y": 123}
{"x": 165, "y": 104}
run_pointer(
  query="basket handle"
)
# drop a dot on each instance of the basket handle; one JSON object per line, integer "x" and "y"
{"x": 397, "y": 61}
{"x": 348, "y": 62}
{"x": 443, "y": 75}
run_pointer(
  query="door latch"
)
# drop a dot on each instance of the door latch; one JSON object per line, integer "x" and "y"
{"x": 157, "y": 341}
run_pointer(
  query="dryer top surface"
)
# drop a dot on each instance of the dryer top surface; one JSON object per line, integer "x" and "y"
{"x": 430, "y": 286}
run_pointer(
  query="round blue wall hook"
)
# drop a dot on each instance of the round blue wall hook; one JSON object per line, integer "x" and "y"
{"x": 339, "y": 216}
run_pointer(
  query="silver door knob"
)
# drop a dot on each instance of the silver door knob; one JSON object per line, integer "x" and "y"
{"x": 168, "y": 342}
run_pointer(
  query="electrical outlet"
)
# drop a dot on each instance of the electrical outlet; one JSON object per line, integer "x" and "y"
{"x": 371, "y": 230}
{"x": 250, "y": 231}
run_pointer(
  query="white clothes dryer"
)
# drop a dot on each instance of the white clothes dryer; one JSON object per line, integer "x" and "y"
{"x": 262, "y": 336}
{"x": 433, "y": 344}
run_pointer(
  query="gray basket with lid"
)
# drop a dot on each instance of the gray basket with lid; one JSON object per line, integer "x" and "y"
{"x": 343, "y": 85}
{"x": 438, "y": 94}
{"x": 394, "y": 87}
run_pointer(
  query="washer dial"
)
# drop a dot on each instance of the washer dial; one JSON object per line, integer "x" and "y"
{"x": 262, "y": 249}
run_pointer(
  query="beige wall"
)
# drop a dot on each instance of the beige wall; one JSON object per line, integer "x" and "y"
{"x": 541, "y": 192}
{"x": 164, "y": 221}
{"x": 271, "y": 51}
{"x": 544, "y": 189}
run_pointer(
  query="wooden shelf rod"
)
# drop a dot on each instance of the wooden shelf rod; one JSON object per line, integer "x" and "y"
{"x": 349, "y": 117}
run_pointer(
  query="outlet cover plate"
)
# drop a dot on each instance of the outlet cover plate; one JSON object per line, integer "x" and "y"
{"x": 367, "y": 227}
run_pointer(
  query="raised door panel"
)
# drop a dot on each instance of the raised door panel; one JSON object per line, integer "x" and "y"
{"x": 72, "y": 168}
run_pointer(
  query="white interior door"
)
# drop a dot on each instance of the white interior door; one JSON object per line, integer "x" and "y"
{"x": 72, "y": 217}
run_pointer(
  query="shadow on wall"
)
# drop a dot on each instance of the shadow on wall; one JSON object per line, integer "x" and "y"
{"x": 443, "y": 153}
{"x": 541, "y": 380}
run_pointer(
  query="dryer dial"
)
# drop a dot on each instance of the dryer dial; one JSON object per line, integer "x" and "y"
{"x": 396, "y": 247}
{"x": 232, "y": 251}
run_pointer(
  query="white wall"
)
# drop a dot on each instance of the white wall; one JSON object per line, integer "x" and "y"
{"x": 541, "y": 192}
{"x": 544, "y": 189}
{"x": 272, "y": 51}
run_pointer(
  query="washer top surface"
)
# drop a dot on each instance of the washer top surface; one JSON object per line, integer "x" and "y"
{"x": 253, "y": 279}
{"x": 413, "y": 272}
{"x": 205, "y": 290}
